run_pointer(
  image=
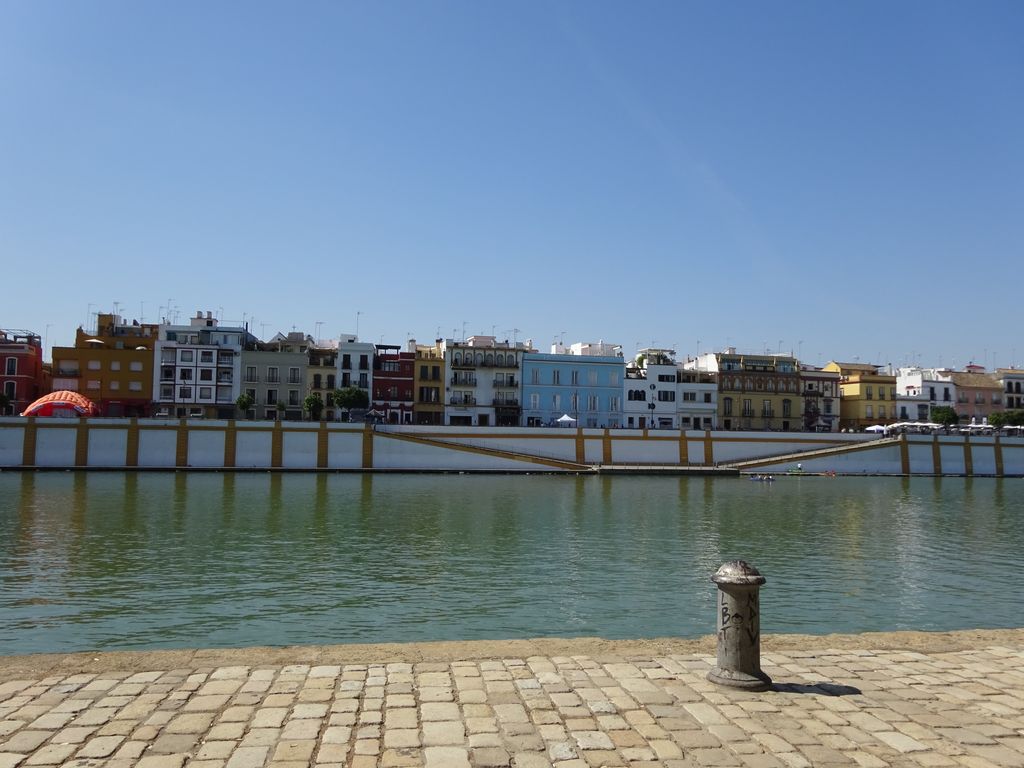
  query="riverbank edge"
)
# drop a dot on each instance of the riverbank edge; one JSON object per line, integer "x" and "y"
{"x": 39, "y": 666}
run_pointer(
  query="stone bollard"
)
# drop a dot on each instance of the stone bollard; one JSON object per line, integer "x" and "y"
{"x": 739, "y": 628}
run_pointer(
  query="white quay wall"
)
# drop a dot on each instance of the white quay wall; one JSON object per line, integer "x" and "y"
{"x": 207, "y": 444}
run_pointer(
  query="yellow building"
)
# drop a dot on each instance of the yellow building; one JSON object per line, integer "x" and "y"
{"x": 429, "y": 385}
{"x": 867, "y": 397}
{"x": 113, "y": 367}
{"x": 757, "y": 391}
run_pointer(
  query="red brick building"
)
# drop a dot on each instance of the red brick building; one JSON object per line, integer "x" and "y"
{"x": 22, "y": 377}
{"x": 392, "y": 394}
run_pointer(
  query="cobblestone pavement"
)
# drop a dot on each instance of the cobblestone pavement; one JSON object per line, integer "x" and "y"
{"x": 827, "y": 707}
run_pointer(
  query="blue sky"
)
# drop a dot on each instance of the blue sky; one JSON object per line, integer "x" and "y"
{"x": 843, "y": 180}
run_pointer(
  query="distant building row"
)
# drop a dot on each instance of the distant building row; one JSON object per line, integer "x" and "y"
{"x": 202, "y": 368}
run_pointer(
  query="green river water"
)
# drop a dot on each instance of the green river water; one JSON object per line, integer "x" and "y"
{"x": 167, "y": 560}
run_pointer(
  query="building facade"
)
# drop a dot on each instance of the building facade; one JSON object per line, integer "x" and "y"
{"x": 197, "y": 368}
{"x": 868, "y": 396}
{"x": 23, "y": 380}
{"x": 650, "y": 392}
{"x": 274, "y": 375}
{"x": 575, "y": 382}
{"x": 761, "y": 392}
{"x": 697, "y": 401}
{"x": 429, "y": 390}
{"x": 393, "y": 383}
{"x": 112, "y": 366}
{"x": 483, "y": 382}
{"x": 820, "y": 391}
{"x": 355, "y": 367}
{"x": 1012, "y": 382}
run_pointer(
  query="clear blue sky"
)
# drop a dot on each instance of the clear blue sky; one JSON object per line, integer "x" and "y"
{"x": 845, "y": 180}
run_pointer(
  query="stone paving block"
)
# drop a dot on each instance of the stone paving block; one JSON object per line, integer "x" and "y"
{"x": 446, "y": 757}
{"x": 54, "y": 754}
{"x": 248, "y": 757}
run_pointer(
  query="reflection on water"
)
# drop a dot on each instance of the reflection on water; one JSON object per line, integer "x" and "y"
{"x": 126, "y": 560}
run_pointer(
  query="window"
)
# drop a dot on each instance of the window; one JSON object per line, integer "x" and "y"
{"x": 613, "y": 379}
{"x": 592, "y": 403}
{"x": 187, "y": 355}
{"x": 614, "y": 403}
{"x": 252, "y": 395}
{"x": 184, "y": 393}
{"x": 206, "y": 393}
{"x": 250, "y": 373}
{"x": 707, "y": 397}
{"x": 115, "y": 385}
{"x": 534, "y": 401}
{"x": 592, "y": 378}
{"x": 727, "y": 406}
{"x": 206, "y": 356}
{"x": 184, "y": 374}
{"x": 364, "y": 363}
{"x": 881, "y": 411}
{"x": 317, "y": 378}
{"x": 135, "y": 365}
{"x": 892, "y": 393}
{"x": 869, "y": 392}
{"x": 272, "y": 376}
{"x": 766, "y": 408}
{"x": 556, "y": 377}
{"x": 556, "y": 402}
{"x": 869, "y": 411}
{"x": 206, "y": 374}
{"x": 330, "y": 381}
{"x": 166, "y": 392}
{"x": 574, "y": 378}
{"x": 689, "y": 397}
{"x": 12, "y": 366}
{"x": 293, "y": 376}
{"x": 535, "y": 376}
{"x": 748, "y": 407}
{"x": 167, "y": 373}
{"x": 574, "y": 402}
{"x": 346, "y": 361}
{"x": 115, "y": 365}
{"x": 93, "y": 365}
{"x": 271, "y": 397}
{"x": 135, "y": 386}
{"x": 293, "y": 397}
{"x": 666, "y": 397}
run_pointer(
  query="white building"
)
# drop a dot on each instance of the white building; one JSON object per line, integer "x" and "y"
{"x": 919, "y": 390}
{"x": 484, "y": 383}
{"x": 355, "y": 365}
{"x": 697, "y": 400}
{"x": 197, "y": 368}
{"x": 650, "y": 391}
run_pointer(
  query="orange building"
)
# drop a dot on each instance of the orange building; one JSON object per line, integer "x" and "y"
{"x": 113, "y": 367}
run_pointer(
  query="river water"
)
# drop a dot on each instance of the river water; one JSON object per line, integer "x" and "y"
{"x": 110, "y": 561}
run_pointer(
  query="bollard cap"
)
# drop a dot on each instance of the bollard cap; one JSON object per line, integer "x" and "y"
{"x": 738, "y": 572}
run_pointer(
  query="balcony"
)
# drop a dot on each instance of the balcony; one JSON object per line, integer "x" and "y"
{"x": 296, "y": 379}
{"x": 273, "y": 378}
{"x": 225, "y": 378}
{"x": 463, "y": 400}
{"x": 507, "y": 383}
{"x": 748, "y": 413}
{"x": 505, "y": 401}
{"x": 768, "y": 413}
{"x": 463, "y": 380}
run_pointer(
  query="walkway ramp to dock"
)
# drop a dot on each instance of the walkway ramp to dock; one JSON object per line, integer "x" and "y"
{"x": 817, "y": 453}
{"x": 539, "y": 463}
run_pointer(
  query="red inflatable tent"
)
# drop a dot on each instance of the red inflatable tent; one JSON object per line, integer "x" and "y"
{"x": 62, "y": 403}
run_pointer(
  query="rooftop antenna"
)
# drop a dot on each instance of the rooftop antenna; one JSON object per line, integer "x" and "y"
{"x": 515, "y": 333}
{"x": 317, "y": 326}
{"x": 358, "y": 313}
{"x": 463, "y": 330}
{"x": 263, "y": 331}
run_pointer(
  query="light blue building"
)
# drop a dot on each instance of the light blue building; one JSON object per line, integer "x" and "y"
{"x": 586, "y": 387}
